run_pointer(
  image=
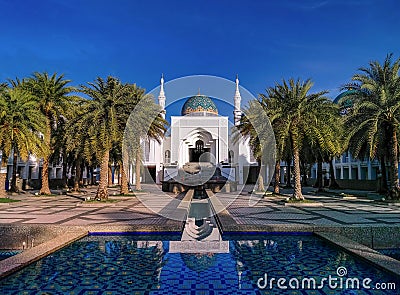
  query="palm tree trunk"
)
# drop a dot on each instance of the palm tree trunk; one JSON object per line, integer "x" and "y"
{"x": 64, "y": 172}
{"x": 110, "y": 175}
{"x": 77, "y": 174}
{"x": 303, "y": 169}
{"x": 319, "y": 183}
{"x": 81, "y": 174}
{"x": 260, "y": 180}
{"x": 102, "y": 191}
{"x": 288, "y": 173}
{"x": 88, "y": 174}
{"x": 45, "y": 189}
{"x": 297, "y": 194}
{"x": 3, "y": 176}
{"x": 332, "y": 179}
{"x": 277, "y": 176}
{"x": 124, "y": 180}
{"x": 92, "y": 180}
{"x": 394, "y": 193}
{"x": 137, "y": 170}
{"x": 383, "y": 189}
{"x": 14, "y": 187}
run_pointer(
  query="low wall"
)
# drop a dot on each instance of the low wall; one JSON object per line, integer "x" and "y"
{"x": 13, "y": 237}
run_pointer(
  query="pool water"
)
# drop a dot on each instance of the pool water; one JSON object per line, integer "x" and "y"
{"x": 8, "y": 253}
{"x": 163, "y": 265}
{"x": 394, "y": 253}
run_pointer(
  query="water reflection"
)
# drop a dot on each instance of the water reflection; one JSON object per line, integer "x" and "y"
{"x": 152, "y": 265}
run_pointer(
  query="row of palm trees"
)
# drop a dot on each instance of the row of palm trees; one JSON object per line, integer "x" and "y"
{"x": 310, "y": 128}
{"x": 43, "y": 115}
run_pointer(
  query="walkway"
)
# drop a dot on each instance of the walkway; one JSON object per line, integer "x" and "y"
{"x": 66, "y": 210}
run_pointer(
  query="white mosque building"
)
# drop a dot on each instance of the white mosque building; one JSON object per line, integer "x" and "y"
{"x": 199, "y": 137}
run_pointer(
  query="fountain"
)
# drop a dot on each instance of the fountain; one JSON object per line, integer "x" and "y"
{"x": 201, "y": 233}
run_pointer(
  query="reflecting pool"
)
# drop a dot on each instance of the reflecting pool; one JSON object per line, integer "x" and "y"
{"x": 140, "y": 264}
{"x": 8, "y": 253}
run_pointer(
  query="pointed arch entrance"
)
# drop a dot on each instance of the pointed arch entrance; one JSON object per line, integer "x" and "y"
{"x": 199, "y": 153}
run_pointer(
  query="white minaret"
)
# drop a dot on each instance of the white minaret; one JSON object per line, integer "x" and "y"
{"x": 159, "y": 146}
{"x": 161, "y": 96}
{"x": 237, "y": 113}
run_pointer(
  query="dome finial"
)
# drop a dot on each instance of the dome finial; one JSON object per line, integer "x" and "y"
{"x": 199, "y": 91}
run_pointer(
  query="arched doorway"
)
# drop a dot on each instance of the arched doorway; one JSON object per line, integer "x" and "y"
{"x": 195, "y": 154}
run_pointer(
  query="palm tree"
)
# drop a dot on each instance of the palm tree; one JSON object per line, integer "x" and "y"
{"x": 145, "y": 123}
{"x": 76, "y": 143}
{"x": 21, "y": 125}
{"x": 330, "y": 146}
{"x": 106, "y": 116}
{"x": 255, "y": 125}
{"x": 4, "y": 159}
{"x": 102, "y": 120}
{"x": 375, "y": 117}
{"x": 298, "y": 114}
{"x": 53, "y": 95}
{"x": 247, "y": 130}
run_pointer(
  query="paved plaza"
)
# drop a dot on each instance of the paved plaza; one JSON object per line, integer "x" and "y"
{"x": 149, "y": 208}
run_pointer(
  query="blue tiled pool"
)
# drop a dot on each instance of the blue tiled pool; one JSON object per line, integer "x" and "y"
{"x": 164, "y": 265}
{"x": 8, "y": 253}
{"x": 394, "y": 253}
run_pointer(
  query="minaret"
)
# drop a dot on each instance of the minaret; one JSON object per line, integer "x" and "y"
{"x": 159, "y": 146}
{"x": 237, "y": 113}
{"x": 161, "y": 96}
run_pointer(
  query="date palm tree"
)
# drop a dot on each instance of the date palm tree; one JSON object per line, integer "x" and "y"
{"x": 374, "y": 120}
{"x": 145, "y": 123}
{"x": 247, "y": 130}
{"x": 76, "y": 143}
{"x": 21, "y": 126}
{"x": 255, "y": 125}
{"x": 4, "y": 159}
{"x": 298, "y": 114}
{"x": 105, "y": 118}
{"x": 53, "y": 94}
{"x": 103, "y": 121}
{"x": 331, "y": 145}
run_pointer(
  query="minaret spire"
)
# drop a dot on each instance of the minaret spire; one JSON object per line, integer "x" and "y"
{"x": 237, "y": 100}
{"x": 161, "y": 96}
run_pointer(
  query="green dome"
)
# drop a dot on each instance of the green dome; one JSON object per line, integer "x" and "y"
{"x": 198, "y": 104}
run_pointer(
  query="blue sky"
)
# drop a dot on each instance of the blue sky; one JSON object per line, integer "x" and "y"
{"x": 262, "y": 41}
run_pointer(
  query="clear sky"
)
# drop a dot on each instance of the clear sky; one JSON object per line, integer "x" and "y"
{"x": 262, "y": 41}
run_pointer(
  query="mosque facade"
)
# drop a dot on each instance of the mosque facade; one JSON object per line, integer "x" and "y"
{"x": 199, "y": 135}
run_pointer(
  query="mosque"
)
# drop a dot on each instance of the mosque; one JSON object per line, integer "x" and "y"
{"x": 199, "y": 142}
{"x": 198, "y": 148}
